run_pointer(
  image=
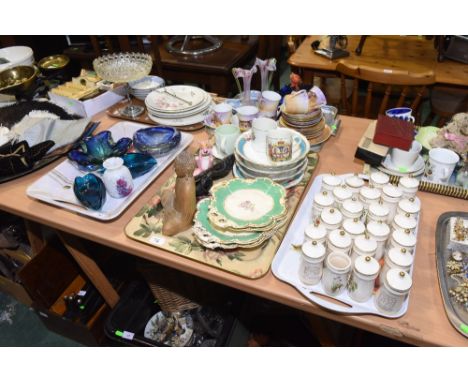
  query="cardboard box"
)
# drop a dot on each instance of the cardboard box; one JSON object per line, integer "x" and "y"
{"x": 92, "y": 106}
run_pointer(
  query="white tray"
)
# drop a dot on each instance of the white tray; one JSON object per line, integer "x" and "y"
{"x": 48, "y": 190}
{"x": 286, "y": 263}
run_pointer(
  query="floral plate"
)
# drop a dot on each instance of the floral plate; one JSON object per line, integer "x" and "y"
{"x": 288, "y": 184}
{"x": 239, "y": 204}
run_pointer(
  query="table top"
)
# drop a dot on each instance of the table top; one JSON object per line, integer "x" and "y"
{"x": 425, "y": 322}
{"x": 413, "y": 53}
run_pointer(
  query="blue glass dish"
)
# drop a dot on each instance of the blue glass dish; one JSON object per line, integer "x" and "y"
{"x": 138, "y": 163}
{"x": 96, "y": 149}
{"x": 90, "y": 191}
{"x": 156, "y": 140}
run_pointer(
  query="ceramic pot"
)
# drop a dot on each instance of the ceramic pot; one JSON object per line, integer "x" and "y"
{"x": 391, "y": 195}
{"x": 379, "y": 179}
{"x": 331, "y": 218}
{"x": 354, "y": 183}
{"x": 335, "y": 274}
{"x": 393, "y": 292}
{"x": 363, "y": 245}
{"x": 310, "y": 270}
{"x": 396, "y": 258}
{"x": 409, "y": 206}
{"x": 316, "y": 232}
{"x": 117, "y": 178}
{"x": 361, "y": 281}
{"x": 339, "y": 241}
{"x": 379, "y": 231}
{"x": 368, "y": 195}
{"x": 378, "y": 211}
{"x": 404, "y": 222}
{"x": 341, "y": 194}
{"x": 330, "y": 181}
{"x": 354, "y": 227}
{"x": 322, "y": 200}
{"x": 409, "y": 186}
{"x": 352, "y": 208}
{"x": 403, "y": 239}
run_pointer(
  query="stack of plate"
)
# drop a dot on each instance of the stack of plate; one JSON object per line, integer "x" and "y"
{"x": 144, "y": 86}
{"x": 254, "y": 164}
{"x": 178, "y": 105}
{"x": 389, "y": 168}
{"x": 311, "y": 125}
{"x": 240, "y": 213}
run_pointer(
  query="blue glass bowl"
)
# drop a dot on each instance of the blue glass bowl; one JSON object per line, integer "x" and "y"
{"x": 138, "y": 163}
{"x": 96, "y": 149}
{"x": 90, "y": 191}
{"x": 157, "y": 140}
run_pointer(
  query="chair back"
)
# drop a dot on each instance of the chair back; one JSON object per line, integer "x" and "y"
{"x": 410, "y": 87}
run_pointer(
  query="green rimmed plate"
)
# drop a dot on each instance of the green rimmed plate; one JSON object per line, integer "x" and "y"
{"x": 239, "y": 204}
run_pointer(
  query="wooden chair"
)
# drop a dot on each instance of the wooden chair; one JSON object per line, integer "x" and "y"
{"x": 408, "y": 88}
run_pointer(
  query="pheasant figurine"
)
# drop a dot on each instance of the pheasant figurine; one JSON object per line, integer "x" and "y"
{"x": 180, "y": 205}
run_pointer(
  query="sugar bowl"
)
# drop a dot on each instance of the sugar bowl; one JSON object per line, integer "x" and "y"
{"x": 361, "y": 282}
{"x": 310, "y": 270}
{"x": 393, "y": 291}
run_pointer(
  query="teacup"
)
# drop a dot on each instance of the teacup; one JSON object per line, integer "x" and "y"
{"x": 279, "y": 145}
{"x": 246, "y": 115}
{"x": 223, "y": 113}
{"x": 226, "y": 136}
{"x": 442, "y": 162}
{"x": 269, "y": 103}
{"x": 260, "y": 129}
{"x": 405, "y": 159}
{"x": 401, "y": 113}
{"x": 297, "y": 102}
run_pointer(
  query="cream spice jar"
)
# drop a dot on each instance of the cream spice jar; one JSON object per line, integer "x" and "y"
{"x": 316, "y": 232}
{"x": 409, "y": 186}
{"x": 403, "y": 239}
{"x": 379, "y": 231}
{"x": 391, "y": 195}
{"x": 396, "y": 258}
{"x": 341, "y": 194}
{"x": 368, "y": 195}
{"x": 410, "y": 206}
{"x": 379, "y": 179}
{"x": 363, "y": 245}
{"x": 393, "y": 292}
{"x": 361, "y": 282}
{"x": 331, "y": 218}
{"x": 322, "y": 200}
{"x": 355, "y": 183}
{"x": 310, "y": 270}
{"x": 378, "y": 211}
{"x": 352, "y": 208}
{"x": 404, "y": 222}
{"x": 354, "y": 227}
{"x": 335, "y": 273}
{"x": 330, "y": 181}
{"x": 339, "y": 241}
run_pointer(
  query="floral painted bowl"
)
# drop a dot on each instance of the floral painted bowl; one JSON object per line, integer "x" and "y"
{"x": 96, "y": 149}
{"x": 156, "y": 141}
{"x": 139, "y": 164}
{"x": 90, "y": 191}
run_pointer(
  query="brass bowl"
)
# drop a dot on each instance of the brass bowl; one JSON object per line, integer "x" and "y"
{"x": 17, "y": 80}
{"x": 53, "y": 63}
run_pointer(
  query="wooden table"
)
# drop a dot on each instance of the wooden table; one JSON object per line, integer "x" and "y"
{"x": 403, "y": 52}
{"x": 425, "y": 323}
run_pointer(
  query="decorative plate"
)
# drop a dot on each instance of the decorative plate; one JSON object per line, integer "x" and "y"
{"x": 290, "y": 183}
{"x": 278, "y": 177}
{"x": 269, "y": 173}
{"x": 197, "y": 110}
{"x": 247, "y": 203}
{"x": 162, "y": 100}
{"x": 416, "y": 167}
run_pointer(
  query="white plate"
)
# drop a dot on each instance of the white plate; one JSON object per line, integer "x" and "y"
{"x": 291, "y": 183}
{"x": 286, "y": 263}
{"x": 417, "y": 166}
{"x": 159, "y": 100}
{"x": 202, "y": 108}
{"x": 50, "y": 191}
{"x": 179, "y": 122}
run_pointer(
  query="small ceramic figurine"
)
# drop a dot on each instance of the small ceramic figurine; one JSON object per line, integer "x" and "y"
{"x": 204, "y": 158}
{"x": 180, "y": 205}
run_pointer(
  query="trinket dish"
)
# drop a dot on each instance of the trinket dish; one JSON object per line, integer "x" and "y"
{"x": 90, "y": 191}
{"x": 156, "y": 140}
{"x": 139, "y": 164}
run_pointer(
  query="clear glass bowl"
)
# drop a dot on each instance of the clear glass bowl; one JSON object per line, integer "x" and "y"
{"x": 123, "y": 67}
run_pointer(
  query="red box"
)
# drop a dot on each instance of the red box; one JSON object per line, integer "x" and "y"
{"x": 394, "y": 132}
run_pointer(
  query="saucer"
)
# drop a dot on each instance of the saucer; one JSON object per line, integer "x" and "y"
{"x": 417, "y": 166}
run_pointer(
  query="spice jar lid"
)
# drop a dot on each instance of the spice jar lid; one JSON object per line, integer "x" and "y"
{"x": 378, "y": 209}
{"x": 409, "y": 205}
{"x": 340, "y": 238}
{"x": 324, "y": 199}
{"x": 379, "y": 177}
{"x": 331, "y": 180}
{"x": 342, "y": 193}
{"x": 338, "y": 262}
{"x": 331, "y": 216}
{"x": 392, "y": 191}
{"x": 354, "y": 226}
{"x": 398, "y": 280}
{"x": 400, "y": 257}
{"x": 366, "y": 265}
{"x": 353, "y": 206}
{"x": 379, "y": 229}
{"x": 354, "y": 181}
{"x": 405, "y": 221}
{"x": 313, "y": 250}
{"x": 370, "y": 193}
{"x": 316, "y": 231}
{"x": 364, "y": 243}
{"x": 404, "y": 238}
{"x": 409, "y": 182}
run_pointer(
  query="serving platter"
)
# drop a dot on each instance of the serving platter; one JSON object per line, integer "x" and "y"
{"x": 286, "y": 264}
{"x": 59, "y": 193}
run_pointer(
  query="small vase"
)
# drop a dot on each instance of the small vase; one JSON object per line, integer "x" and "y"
{"x": 117, "y": 178}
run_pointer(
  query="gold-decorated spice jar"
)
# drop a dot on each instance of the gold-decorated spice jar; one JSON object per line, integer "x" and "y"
{"x": 403, "y": 222}
{"x": 403, "y": 239}
{"x": 409, "y": 186}
{"x": 341, "y": 194}
{"x": 354, "y": 183}
{"x": 396, "y": 258}
{"x": 361, "y": 282}
{"x": 331, "y": 218}
{"x": 352, "y": 208}
{"x": 354, "y": 227}
{"x": 339, "y": 241}
{"x": 310, "y": 270}
{"x": 410, "y": 206}
{"x": 378, "y": 211}
{"x": 379, "y": 231}
{"x": 393, "y": 292}
{"x": 330, "y": 181}
{"x": 363, "y": 245}
{"x": 378, "y": 179}
{"x": 316, "y": 232}
{"x": 322, "y": 200}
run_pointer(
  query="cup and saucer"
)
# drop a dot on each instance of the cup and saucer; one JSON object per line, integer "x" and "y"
{"x": 220, "y": 115}
{"x": 405, "y": 162}
{"x": 225, "y": 140}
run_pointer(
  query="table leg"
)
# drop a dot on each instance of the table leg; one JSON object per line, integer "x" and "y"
{"x": 90, "y": 268}
{"x": 35, "y": 237}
